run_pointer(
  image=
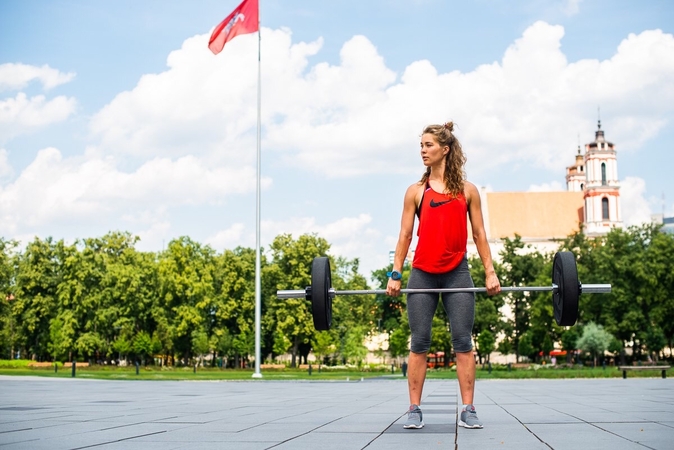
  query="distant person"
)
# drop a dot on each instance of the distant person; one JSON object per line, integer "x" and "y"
{"x": 442, "y": 200}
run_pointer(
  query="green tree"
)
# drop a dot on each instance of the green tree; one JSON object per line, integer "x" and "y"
{"x": 522, "y": 265}
{"x": 658, "y": 276}
{"x": 525, "y": 348}
{"x": 620, "y": 257}
{"x": 354, "y": 350}
{"x": 655, "y": 341}
{"x": 441, "y": 338}
{"x": 200, "y": 344}
{"x": 544, "y": 329}
{"x": 486, "y": 343}
{"x": 7, "y": 285}
{"x": 38, "y": 277}
{"x": 323, "y": 344}
{"x": 569, "y": 340}
{"x": 144, "y": 346}
{"x": 505, "y": 346}
{"x": 487, "y": 308}
{"x": 390, "y": 310}
{"x": 122, "y": 345}
{"x": 594, "y": 340}
{"x": 62, "y": 335}
{"x": 290, "y": 320}
{"x": 398, "y": 344}
{"x": 353, "y": 314}
{"x": 186, "y": 292}
{"x": 234, "y": 307}
{"x": 128, "y": 291}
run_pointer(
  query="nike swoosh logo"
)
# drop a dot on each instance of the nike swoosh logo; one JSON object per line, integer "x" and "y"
{"x": 435, "y": 204}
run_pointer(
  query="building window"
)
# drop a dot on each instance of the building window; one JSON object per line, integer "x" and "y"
{"x": 604, "y": 208}
{"x": 581, "y": 168}
{"x": 582, "y": 186}
{"x": 603, "y": 174}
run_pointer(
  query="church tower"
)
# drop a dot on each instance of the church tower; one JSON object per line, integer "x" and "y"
{"x": 575, "y": 174}
{"x": 601, "y": 190}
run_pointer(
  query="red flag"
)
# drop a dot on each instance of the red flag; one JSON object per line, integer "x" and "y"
{"x": 243, "y": 20}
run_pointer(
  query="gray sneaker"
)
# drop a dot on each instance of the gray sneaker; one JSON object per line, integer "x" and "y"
{"x": 415, "y": 418}
{"x": 468, "y": 418}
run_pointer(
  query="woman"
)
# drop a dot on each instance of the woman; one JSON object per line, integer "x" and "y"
{"x": 441, "y": 200}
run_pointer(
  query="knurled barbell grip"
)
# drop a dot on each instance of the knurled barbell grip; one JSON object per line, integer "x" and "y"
{"x": 585, "y": 288}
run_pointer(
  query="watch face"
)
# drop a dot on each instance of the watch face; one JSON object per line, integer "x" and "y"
{"x": 396, "y": 275}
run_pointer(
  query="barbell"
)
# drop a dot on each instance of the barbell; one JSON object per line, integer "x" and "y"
{"x": 566, "y": 290}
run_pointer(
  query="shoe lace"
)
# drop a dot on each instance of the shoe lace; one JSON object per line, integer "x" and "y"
{"x": 414, "y": 413}
{"x": 471, "y": 413}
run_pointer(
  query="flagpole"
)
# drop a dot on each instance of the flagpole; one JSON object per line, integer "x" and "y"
{"x": 258, "y": 302}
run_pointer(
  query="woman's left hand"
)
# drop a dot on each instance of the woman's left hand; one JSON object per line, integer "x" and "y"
{"x": 492, "y": 284}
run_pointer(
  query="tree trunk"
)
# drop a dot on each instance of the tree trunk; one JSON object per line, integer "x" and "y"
{"x": 293, "y": 361}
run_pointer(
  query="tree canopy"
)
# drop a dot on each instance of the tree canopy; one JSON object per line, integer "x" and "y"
{"x": 101, "y": 299}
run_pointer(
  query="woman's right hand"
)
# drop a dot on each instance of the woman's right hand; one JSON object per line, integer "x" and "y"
{"x": 393, "y": 287}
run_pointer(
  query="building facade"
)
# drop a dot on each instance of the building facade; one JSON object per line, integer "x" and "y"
{"x": 543, "y": 219}
{"x": 601, "y": 191}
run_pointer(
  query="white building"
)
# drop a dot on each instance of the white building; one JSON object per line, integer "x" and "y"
{"x": 543, "y": 219}
{"x": 601, "y": 191}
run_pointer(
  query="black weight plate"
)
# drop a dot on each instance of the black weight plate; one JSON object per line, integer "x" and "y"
{"x": 321, "y": 303}
{"x": 565, "y": 300}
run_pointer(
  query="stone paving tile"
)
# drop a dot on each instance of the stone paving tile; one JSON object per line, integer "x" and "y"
{"x": 412, "y": 440}
{"x": 358, "y": 424}
{"x": 73, "y": 442}
{"x": 70, "y": 414}
{"x": 653, "y": 435}
{"x": 329, "y": 441}
{"x": 538, "y": 414}
{"x": 573, "y": 436}
{"x": 127, "y": 445}
{"x": 601, "y": 413}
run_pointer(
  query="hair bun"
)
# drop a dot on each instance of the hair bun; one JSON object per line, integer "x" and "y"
{"x": 449, "y": 126}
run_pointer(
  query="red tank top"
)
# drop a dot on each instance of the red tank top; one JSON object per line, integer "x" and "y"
{"x": 442, "y": 232}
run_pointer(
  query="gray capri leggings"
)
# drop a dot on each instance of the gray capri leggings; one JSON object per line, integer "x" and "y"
{"x": 460, "y": 307}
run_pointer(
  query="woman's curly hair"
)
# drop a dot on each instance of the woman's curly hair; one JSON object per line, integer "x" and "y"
{"x": 454, "y": 161}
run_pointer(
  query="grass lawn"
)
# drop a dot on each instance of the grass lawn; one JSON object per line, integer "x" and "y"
{"x": 18, "y": 368}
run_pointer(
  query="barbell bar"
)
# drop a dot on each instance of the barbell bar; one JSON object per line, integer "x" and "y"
{"x": 566, "y": 289}
{"x": 585, "y": 288}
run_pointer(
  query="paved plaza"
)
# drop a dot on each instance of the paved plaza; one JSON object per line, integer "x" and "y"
{"x": 56, "y": 413}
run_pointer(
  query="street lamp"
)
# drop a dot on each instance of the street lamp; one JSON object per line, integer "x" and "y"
{"x": 9, "y": 298}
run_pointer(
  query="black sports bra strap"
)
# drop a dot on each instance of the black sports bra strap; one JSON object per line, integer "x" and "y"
{"x": 421, "y": 200}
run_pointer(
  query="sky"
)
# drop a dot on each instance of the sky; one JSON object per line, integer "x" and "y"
{"x": 115, "y": 116}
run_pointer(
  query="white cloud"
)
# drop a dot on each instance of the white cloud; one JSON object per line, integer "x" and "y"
{"x": 5, "y": 167}
{"x": 635, "y": 208}
{"x": 54, "y": 189}
{"x": 546, "y": 187}
{"x": 21, "y": 114}
{"x": 155, "y": 237}
{"x": 571, "y": 7}
{"x": 351, "y": 237}
{"x": 228, "y": 238}
{"x": 523, "y": 109}
{"x": 15, "y": 76}
{"x": 187, "y": 135}
{"x": 203, "y": 104}
{"x": 346, "y": 119}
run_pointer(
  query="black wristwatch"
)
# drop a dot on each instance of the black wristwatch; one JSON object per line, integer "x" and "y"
{"x": 395, "y": 275}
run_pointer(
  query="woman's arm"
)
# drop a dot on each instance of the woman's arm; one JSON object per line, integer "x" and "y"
{"x": 480, "y": 238}
{"x": 404, "y": 238}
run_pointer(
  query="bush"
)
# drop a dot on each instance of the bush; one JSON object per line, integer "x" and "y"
{"x": 14, "y": 363}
